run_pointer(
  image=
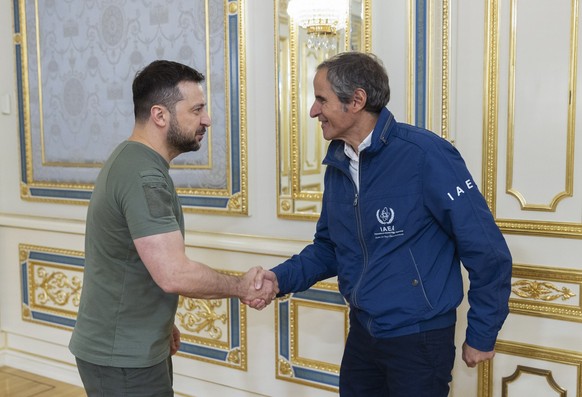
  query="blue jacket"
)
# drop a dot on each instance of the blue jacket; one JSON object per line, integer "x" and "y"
{"x": 396, "y": 246}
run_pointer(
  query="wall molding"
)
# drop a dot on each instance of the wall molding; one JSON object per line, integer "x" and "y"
{"x": 262, "y": 245}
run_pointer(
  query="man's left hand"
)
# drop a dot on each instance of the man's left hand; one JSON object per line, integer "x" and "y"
{"x": 472, "y": 356}
{"x": 175, "y": 341}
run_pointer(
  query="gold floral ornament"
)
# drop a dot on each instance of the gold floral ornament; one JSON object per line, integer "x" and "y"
{"x": 235, "y": 202}
{"x": 543, "y": 290}
{"x": 285, "y": 368}
{"x": 200, "y": 315}
{"x": 235, "y": 356}
{"x": 58, "y": 288}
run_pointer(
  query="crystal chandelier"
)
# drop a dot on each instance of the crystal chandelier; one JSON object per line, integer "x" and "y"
{"x": 321, "y": 18}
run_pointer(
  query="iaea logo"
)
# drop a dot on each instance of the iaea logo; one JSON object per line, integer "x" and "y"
{"x": 386, "y": 216}
{"x": 386, "y": 229}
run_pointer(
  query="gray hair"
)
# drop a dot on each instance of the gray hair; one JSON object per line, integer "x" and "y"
{"x": 348, "y": 71}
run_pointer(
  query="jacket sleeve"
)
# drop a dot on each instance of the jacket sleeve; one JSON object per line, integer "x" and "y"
{"x": 314, "y": 263}
{"x": 454, "y": 200}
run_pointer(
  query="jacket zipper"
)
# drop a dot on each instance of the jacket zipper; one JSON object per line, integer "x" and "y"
{"x": 360, "y": 236}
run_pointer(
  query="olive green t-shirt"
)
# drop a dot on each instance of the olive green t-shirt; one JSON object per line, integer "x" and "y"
{"x": 125, "y": 319}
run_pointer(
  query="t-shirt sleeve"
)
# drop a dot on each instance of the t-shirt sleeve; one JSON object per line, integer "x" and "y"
{"x": 147, "y": 202}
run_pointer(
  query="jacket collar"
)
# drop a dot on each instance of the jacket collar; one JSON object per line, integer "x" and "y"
{"x": 382, "y": 131}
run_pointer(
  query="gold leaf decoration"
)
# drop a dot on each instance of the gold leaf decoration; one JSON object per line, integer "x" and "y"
{"x": 234, "y": 356}
{"x": 199, "y": 315}
{"x": 541, "y": 290}
{"x": 235, "y": 202}
{"x": 57, "y": 288}
{"x": 26, "y": 312}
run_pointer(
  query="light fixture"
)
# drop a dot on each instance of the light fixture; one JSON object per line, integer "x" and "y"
{"x": 321, "y": 18}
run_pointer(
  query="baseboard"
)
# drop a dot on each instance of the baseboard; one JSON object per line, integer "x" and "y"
{"x": 2, "y": 347}
{"x": 56, "y": 370}
{"x": 67, "y": 373}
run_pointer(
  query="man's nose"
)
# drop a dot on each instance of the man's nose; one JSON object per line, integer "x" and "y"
{"x": 315, "y": 110}
{"x": 206, "y": 120}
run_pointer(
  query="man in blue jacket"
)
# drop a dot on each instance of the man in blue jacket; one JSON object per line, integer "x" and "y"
{"x": 400, "y": 213}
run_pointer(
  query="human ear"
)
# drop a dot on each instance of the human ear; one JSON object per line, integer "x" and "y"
{"x": 158, "y": 115}
{"x": 359, "y": 99}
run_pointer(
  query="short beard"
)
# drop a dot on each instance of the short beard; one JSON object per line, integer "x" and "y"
{"x": 178, "y": 140}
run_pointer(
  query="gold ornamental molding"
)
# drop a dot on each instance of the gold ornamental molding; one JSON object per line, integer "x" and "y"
{"x": 214, "y": 330}
{"x": 546, "y": 292}
{"x": 569, "y": 177}
{"x": 51, "y": 282}
{"x": 490, "y": 127}
{"x": 536, "y": 228}
{"x": 541, "y": 290}
{"x": 527, "y": 351}
{"x": 521, "y": 369}
{"x": 434, "y": 62}
{"x": 445, "y": 42}
{"x": 199, "y": 316}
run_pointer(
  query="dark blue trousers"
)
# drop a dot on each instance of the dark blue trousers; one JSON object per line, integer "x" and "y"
{"x": 416, "y": 365}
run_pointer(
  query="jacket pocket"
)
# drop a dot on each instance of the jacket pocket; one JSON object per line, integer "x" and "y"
{"x": 417, "y": 282}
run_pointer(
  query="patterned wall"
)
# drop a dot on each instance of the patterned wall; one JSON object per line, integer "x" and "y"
{"x": 76, "y": 62}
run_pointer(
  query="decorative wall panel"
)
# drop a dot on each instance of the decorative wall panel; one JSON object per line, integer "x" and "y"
{"x": 529, "y": 123}
{"x": 526, "y": 370}
{"x": 211, "y": 330}
{"x": 76, "y": 62}
{"x": 51, "y": 282}
{"x": 325, "y": 313}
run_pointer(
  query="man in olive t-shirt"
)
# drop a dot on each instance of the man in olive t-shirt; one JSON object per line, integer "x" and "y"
{"x": 135, "y": 260}
{"x": 133, "y": 197}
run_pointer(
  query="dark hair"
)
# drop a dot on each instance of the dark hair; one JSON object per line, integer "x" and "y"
{"x": 348, "y": 71}
{"x": 157, "y": 84}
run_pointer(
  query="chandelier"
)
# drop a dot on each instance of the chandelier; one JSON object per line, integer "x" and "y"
{"x": 321, "y": 18}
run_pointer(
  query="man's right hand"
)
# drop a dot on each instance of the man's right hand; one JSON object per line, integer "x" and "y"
{"x": 260, "y": 287}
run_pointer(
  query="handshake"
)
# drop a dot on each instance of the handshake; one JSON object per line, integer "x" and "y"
{"x": 258, "y": 287}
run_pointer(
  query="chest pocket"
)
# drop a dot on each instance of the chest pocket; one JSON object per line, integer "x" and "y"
{"x": 157, "y": 194}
